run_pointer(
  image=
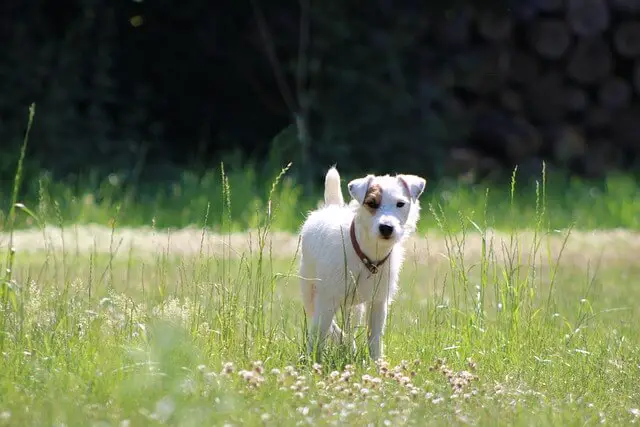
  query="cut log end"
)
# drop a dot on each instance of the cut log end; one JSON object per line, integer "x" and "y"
{"x": 523, "y": 140}
{"x": 511, "y": 100}
{"x": 597, "y": 118}
{"x": 625, "y": 128}
{"x": 494, "y": 27}
{"x": 455, "y": 29}
{"x": 636, "y": 77}
{"x": 567, "y": 142}
{"x": 545, "y": 100}
{"x": 576, "y": 99}
{"x": 626, "y": 39}
{"x": 590, "y": 62}
{"x": 524, "y": 68}
{"x": 549, "y": 5}
{"x": 550, "y": 38}
{"x": 625, "y": 6}
{"x": 588, "y": 18}
{"x": 489, "y": 73}
{"x": 601, "y": 156}
{"x": 614, "y": 94}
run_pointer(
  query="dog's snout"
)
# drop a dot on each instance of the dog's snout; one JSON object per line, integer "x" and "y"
{"x": 385, "y": 230}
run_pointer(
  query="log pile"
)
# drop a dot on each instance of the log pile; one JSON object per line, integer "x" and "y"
{"x": 549, "y": 79}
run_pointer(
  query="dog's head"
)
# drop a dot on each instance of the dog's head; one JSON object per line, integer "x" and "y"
{"x": 389, "y": 204}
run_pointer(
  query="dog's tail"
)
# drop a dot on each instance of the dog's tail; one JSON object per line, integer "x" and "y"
{"x": 332, "y": 190}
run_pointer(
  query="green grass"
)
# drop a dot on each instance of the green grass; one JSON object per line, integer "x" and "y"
{"x": 613, "y": 202}
{"x": 517, "y": 328}
{"x": 121, "y": 326}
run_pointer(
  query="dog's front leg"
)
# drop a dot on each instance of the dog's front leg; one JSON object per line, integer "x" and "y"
{"x": 377, "y": 319}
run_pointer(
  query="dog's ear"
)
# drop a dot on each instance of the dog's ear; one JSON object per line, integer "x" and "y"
{"x": 414, "y": 183}
{"x": 358, "y": 187}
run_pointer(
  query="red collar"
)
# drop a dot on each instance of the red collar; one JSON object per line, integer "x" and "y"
{"x": 371, "y": 266}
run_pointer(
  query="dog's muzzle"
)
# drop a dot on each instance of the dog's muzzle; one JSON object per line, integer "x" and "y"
{"x": 385, "y": 230}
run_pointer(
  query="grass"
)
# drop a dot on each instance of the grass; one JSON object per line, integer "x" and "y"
{"x": 505, "y": 316}
{"x": 613, "y": 202}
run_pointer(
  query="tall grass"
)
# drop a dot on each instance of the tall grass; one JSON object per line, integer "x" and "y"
{"x": 612, "y": 202}
{"x": 6, "y": 287}
{"x": 504, "y": 332}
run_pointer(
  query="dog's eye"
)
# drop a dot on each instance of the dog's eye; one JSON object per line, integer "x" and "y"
{"x": 400, "y": 204}
{"x": 372, "y": 204}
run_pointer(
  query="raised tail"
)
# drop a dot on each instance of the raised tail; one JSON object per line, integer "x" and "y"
{"x": 332, "y": 189}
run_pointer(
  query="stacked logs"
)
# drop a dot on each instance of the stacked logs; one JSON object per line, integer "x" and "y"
{"x": 549, "y": 79}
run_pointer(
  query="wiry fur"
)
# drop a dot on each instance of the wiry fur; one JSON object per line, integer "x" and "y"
{"x": 326, "y": 284}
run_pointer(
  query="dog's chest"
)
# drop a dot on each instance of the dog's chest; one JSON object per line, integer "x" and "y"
{"x": 366, "y": 286}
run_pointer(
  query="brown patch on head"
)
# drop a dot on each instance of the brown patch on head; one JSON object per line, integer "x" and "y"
{"x": 373, "y": 198}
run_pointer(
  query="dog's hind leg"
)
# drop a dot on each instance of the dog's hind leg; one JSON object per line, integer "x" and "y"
{"x": 335, "y": 332}
{"x": 320, "y": 317}
{"x": 359, "y": 312}
{"x": 307, "y": 288}
{"x": 321, "y": 323}
{"x": 339, "y": 336}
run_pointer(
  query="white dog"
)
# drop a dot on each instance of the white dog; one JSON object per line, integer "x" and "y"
{"x": 352, "y": 255}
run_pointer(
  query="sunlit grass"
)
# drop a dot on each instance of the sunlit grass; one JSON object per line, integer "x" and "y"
{"x": 535, "y": 324}
{"x": 197, "y": 328}
{"x": 572, "y": 202}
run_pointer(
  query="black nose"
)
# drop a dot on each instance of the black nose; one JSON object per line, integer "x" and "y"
{"x": 385, "y": 230}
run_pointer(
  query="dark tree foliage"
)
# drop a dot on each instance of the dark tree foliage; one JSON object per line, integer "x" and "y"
{"x": 179, "y": 84}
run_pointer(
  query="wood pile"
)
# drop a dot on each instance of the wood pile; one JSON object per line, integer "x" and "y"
{"x": 549, "y": 79}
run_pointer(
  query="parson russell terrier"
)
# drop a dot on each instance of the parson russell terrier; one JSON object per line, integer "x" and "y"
{"x": 351, "y": 255}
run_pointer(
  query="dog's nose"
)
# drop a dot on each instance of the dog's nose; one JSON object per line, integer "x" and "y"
{"x": 385, "y": 230}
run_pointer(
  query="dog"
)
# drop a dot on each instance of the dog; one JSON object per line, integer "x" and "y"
{"x": 351, "y": 255}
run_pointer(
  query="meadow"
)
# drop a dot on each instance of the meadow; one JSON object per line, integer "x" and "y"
{"x": 517, "y": 306}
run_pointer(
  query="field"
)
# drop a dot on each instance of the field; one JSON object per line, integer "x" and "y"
{"x": 507, "y": 313}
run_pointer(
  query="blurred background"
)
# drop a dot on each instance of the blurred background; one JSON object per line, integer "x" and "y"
{"x": 140, "y": 91}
